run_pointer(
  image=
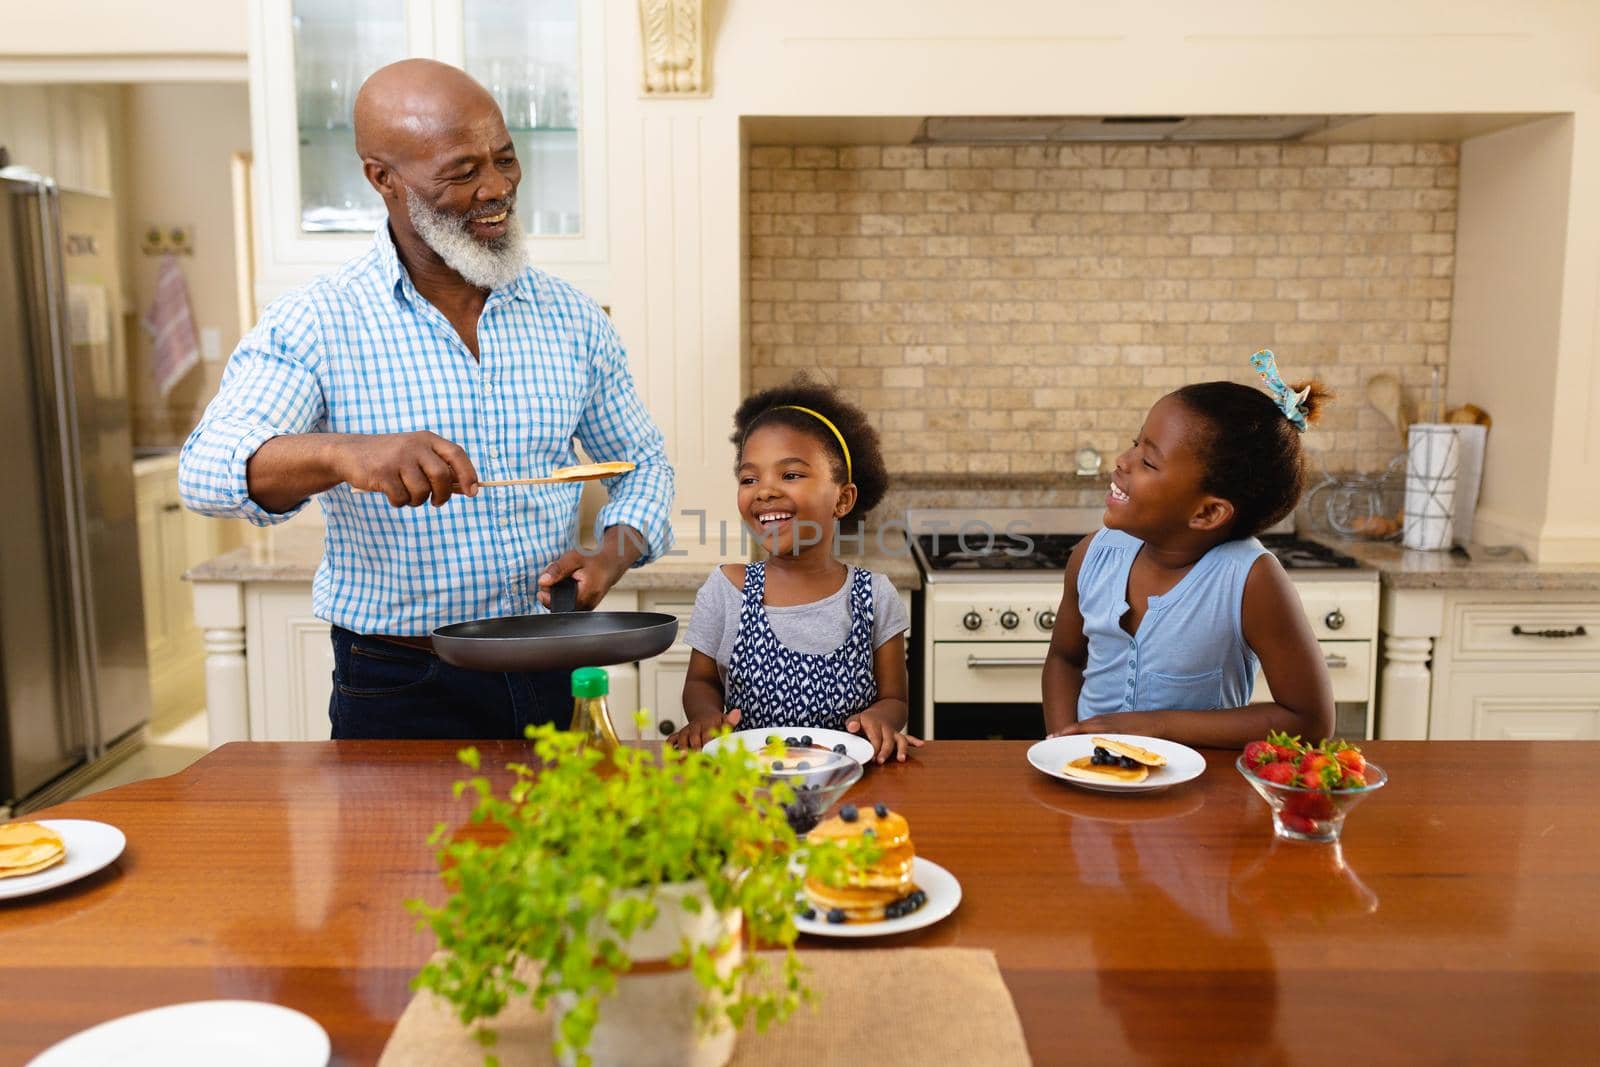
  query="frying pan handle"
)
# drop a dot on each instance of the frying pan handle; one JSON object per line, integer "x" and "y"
{"x": 564, "y": 595}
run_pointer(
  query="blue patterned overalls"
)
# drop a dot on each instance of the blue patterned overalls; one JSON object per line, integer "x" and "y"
{"x": 773, "y": 685}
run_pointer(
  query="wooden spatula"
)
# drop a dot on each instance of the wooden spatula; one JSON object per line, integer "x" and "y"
{"x": 1383, "y": 392}
{"x": 583, "y": 472}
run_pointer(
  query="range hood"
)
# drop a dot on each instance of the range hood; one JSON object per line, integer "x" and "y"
{"x": 1054, "y": 129}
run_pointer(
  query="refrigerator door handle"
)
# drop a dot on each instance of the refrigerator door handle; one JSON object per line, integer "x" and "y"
{"x": 67, "y": 416}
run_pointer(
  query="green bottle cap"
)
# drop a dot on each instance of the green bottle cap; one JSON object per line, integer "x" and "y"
{"x": 590, "y": 682}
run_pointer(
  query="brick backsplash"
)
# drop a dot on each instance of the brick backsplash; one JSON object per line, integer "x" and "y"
{"x": 997, "y": 308}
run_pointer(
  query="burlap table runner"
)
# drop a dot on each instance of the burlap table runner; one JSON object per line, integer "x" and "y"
{"x": 902, "y": 1007}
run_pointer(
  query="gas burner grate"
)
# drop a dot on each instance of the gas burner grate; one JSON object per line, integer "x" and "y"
{"x": 1298, "y": 554}
{"x": 999, "y": 552}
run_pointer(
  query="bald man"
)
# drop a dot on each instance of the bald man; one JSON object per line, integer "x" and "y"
{"x": 437, "y": 358}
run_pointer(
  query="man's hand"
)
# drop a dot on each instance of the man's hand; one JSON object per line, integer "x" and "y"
{"x": 596, "y": 571}
{"x": 697, "y": 732}
{"x": 885, "y": 739}
{"x": 408, "y": 468}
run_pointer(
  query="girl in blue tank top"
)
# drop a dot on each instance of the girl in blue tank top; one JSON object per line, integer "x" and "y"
{"x": 1167, "y": 611}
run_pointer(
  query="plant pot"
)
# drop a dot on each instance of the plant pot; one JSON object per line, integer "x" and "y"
{"x": 652, "y": 1019}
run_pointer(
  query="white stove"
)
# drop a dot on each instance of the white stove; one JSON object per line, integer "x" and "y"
{"x": 992, "y": 581}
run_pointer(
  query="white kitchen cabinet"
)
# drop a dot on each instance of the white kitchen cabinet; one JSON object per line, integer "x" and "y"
{"x": 544, "y": 60}
{"x": 290, "y": 658}
{"x": 63, "y": 131}
{"x": 1515, "y": 706}
{"x": 661, "y": 679}
{"x": 171, "y": 540}
{"x": 1463, "y": 664}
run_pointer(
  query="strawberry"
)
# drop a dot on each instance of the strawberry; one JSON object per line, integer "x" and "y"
{"x": 1277, "y": 772}
{"x": 1259, "y": 753}
{"x": 1313, "y": 762}
{"x": 1353, "y": 780}
{"x": 1298, "y": 823}
{"x": 1352, "y": 760}
{"x": 1289, "y": 748}
{"x": 1316, "y": 805}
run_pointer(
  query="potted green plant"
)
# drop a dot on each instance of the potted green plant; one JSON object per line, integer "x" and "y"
{"x": 620, "y": 896}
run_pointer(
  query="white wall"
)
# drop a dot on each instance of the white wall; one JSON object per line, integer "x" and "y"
{"x": 111, "y": 28}
{"x": 1507, "y": 312}
{"x": 177, "y": 143}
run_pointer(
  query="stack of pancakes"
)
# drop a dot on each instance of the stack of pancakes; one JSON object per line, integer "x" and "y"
{"x": 867, "y": 891}
{"x": 27, "y": 848}
{"x": 1142, "y": 758}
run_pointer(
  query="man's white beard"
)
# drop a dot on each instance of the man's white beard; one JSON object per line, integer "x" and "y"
{"x": 485, "y": 264}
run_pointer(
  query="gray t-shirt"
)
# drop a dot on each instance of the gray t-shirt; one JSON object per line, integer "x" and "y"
{"x": 816, "y": 628}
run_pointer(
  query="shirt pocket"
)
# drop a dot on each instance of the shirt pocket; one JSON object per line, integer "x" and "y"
{"x": 1180, "y": 692}
{"x": 551, "y": 421}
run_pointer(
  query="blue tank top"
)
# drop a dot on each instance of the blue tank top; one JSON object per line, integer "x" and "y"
{"x": 1190, "y": 651}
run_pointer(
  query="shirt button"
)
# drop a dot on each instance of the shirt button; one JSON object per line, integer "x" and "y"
{"x": 488, "y": 388}
{"x": 505, "y": 520}
{"x": 494, "y": 453}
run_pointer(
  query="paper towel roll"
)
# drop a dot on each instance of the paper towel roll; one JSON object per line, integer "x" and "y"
{"x": 1432, "y": 456}
{"x": 1469, "y": 478}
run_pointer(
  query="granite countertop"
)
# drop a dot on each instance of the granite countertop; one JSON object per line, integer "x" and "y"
{"x": 1403, "y": 568}
{"x": 292, "y": 556}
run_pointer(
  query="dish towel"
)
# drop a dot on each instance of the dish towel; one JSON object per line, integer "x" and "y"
{"x": 171, "y": 327}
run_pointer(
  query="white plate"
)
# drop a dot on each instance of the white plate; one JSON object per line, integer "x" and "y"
{"x": 944, "y": 893}
{"x": 90, "y": 846}
{"x": 1054, "y": 753}
{"x": 204, "y": 1033}
{"x": 856, "y": 747}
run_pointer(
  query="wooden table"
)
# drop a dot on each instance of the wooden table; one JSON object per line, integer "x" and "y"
{"x": 1459, "y": 924}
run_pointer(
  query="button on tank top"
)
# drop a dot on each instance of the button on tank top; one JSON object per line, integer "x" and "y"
{"x": 1189, "y": 653}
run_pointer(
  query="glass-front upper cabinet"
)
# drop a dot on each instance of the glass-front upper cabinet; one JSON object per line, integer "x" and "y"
{"x": 526, "y": 53}
{"x": 543, "y": 60}
{"x": 337, "y": 45}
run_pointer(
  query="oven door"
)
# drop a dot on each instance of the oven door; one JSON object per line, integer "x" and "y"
{"x": 987, "y": 689}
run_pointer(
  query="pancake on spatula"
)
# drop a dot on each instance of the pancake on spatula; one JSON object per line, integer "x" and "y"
{"x": 28, "y": 847}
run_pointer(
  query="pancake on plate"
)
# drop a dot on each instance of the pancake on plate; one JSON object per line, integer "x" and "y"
{"x": 882, "y": 889}
{"x": 27, "y": 848}
{"x": 1115, "y": 761}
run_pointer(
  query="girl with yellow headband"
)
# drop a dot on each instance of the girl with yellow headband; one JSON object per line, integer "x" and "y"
{"x": 800, "y": 639}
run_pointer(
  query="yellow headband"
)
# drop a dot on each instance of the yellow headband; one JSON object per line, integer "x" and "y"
{"x": 849, "y": 472}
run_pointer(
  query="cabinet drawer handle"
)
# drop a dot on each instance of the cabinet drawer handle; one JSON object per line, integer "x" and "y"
{"x": 1005, "y": 661}
{"x": 1335, "y": 661}
{"x": 1576, "y": 631}
{"x": 172, "y": 507}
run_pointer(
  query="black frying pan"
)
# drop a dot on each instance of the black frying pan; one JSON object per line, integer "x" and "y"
{"x": 563, "y": 640}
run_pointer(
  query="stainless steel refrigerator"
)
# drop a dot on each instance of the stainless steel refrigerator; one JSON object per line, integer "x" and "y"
{"x": 74, "y": 685}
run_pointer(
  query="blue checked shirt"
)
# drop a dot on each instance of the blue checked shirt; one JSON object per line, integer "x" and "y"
{"x": 360, "y": 351}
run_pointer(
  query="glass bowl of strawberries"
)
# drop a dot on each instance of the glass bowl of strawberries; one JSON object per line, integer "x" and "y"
{"x": 1310, "y": 788}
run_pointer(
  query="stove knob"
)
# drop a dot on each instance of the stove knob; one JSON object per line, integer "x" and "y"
{"x": 1334, "y": 619}
{"x": 972, "y": 620}
{"x": 1046, "y": 619}
{"x": 1009, "y": 620}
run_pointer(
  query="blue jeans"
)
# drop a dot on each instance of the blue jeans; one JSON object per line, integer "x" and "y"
{"x": 382, "y": 690}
